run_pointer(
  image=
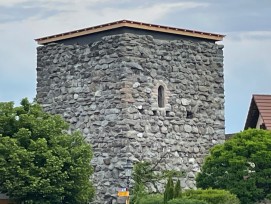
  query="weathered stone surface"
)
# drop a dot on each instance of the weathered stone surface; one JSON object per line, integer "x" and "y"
{"x": 109, "y": 91}
{"x": 187, "y": 128}
{"x": 185, "y": 102}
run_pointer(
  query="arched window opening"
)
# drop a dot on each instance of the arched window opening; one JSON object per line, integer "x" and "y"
{"x": 161, "y": 97}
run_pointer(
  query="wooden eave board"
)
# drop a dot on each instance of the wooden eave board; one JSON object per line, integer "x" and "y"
{"x": 130, "y": 24}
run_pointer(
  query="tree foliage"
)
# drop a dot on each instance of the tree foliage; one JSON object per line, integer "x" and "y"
{"x": 186, "y": 201}
{"x": 145, "y": 173}
{"x": 241, "y": 165}
{"x": 142, "y": 173}
{"x": 177, "y": 189}
{"x": 212, "y": 196}
{"x": 152, "y": 199}
{"x": 169, "y": 190}
{"x": 39, "y": 161}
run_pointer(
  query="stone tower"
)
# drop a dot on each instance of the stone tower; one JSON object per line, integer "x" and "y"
{"x": 136, "y": 90}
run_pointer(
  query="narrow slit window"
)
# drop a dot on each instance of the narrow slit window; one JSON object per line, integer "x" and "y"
{"x": 161, "y": 97}
{"x": 189, "y": 115}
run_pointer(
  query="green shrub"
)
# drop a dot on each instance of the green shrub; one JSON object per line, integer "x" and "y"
{"x": 152, "y": 199}
{"x": 169, "y": 190}
{"x": 241, "y": 165}
{"x": 212, "y": 196}
{"x": 268, "y": 196}
{"x": 186, "y": 201}
{"x": 177, "y": 190}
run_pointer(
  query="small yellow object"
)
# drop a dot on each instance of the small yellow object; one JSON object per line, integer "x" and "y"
{"x": 123, "y": 193}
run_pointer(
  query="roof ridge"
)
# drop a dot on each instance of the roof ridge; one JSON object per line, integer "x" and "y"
{"x": 131, "y": 24}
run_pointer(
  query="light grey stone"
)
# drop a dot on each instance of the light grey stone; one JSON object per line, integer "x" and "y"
{"x": 196, "y": 149}
{"x": 187, "y": 128}
{"x": 191, "y": 175}
{"x": 160, "y": 123}
{"x": 140, "y": 134}
{"x": 111, "y": 117}
{"x": 185, "y": 102}
{"x": 164, "y": 129}
{"x": 153, "y": 73}
{"x": 93, "y": 107}
{"x": 209, "y": 130}
{"x": 136, "y": 84}
{"x": 148, "y": 90}
{"x": 139, "y": 107}
{"x": 98, "y": 93}
{"x": 203, "y": 88}
{"x": 104, "y": 123}
{"x": 191, "y": 160}
{"x": 75, "y": 96}
{"x": 190, "y": 184}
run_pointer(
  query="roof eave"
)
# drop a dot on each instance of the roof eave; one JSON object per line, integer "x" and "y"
{"x": 130, "y": 24}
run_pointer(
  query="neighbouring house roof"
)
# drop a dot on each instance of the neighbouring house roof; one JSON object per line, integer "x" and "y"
{"x": 130, "y": 24}
{"x": 260, "y": 106}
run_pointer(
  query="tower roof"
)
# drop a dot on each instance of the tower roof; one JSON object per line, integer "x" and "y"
{"x": 129, "y": 24}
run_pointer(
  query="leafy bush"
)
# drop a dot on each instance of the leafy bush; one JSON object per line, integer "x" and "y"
{"x": 186, "y": 201}
{"x": 39, "y": 161}
{"x": 152, "y": 199}
{"x": 240, "y": 165}
{"x": 212, "y": 196}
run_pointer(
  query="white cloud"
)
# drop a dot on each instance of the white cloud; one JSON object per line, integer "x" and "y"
{"x": 80, "y": 15}
{"x": 249, "y": 35}
{"x": 48, "y": 3}
{"x": 9, "y": 3}
{"x": 150, "y": 13}
{"x": 250, "y": 46}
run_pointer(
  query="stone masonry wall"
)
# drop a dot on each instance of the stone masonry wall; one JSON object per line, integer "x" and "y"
{"x": 108, "y": 90}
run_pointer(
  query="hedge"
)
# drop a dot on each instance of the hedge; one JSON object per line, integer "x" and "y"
{"x": 186, "y": 201}
{"x": 212, "y": 196}
{"x": 158, "y": 199}
{"x": 152, "y": 199}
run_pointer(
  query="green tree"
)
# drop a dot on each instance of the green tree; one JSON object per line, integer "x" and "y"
{"x": 169, "y": 190}
{"x": 39, "y": 161}
{"x": 145, "y": 173}
{"x": 177, "y": 189}
{"x": 241, "y": 165}
{"x": 142, "y": 173}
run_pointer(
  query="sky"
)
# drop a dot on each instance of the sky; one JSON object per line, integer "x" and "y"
{"x": 246, "y": 24}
